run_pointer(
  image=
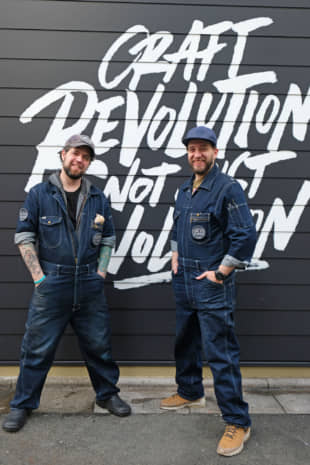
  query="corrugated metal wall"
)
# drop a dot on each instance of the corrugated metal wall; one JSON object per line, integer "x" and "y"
{"x": 69, "y": 66}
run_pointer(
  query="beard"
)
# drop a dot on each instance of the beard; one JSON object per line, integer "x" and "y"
{"x": 70, "y": 174}
{"x": 205, "y": 170}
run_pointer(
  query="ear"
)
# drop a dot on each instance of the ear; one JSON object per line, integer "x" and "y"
{"x": 216, "y": 151}
{"x": 63, "y": 153}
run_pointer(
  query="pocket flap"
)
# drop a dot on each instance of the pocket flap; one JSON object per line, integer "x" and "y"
{"x": 200, "y": 217}
{"x": 50, "y": 220}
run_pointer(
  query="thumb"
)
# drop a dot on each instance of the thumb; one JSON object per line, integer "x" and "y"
{"x": 201, "y": 276}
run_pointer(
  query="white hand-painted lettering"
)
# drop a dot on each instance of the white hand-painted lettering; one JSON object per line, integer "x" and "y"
{"x": 237, "y": 109}
{"x": 259, "y": 164}
{"x": 283, "y": 225}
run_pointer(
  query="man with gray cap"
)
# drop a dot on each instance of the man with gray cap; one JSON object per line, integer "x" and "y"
{"x": 72, "y": 223}
{"x": 213, "y": 234}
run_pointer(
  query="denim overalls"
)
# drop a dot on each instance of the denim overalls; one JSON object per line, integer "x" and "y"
{"x": 211, "y": 227}
{"x": 72, "y": 291}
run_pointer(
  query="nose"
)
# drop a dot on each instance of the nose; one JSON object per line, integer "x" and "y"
{"x": 196, "y": 152}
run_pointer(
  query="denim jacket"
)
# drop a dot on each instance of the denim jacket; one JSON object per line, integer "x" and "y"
{"x": 215, "y": 224}
{"x": 44, "y": 218}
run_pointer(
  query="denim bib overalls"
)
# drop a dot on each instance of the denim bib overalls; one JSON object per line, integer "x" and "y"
{"x": 72, "y": 292}
{"x": 211, "y": 227}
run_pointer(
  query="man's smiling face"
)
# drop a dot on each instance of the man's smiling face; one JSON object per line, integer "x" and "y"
{"x": 76, "y": 161}
{"x": 201, "y": 155}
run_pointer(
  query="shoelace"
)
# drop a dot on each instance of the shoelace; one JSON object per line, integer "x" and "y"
{"x": 230, "y": 431}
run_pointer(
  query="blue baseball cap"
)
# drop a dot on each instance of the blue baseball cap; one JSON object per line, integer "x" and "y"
{"x": 200, "y": 132}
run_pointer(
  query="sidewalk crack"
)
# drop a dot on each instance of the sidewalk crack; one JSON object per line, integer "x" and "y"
{"x": 279, "y": 403}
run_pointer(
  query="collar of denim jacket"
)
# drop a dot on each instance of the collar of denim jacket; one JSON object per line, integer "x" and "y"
{"x": 54, "y": 179}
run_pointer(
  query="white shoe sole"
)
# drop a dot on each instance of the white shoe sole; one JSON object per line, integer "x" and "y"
{"x": 235, "y": 451}
{"x": 197, "y": 403}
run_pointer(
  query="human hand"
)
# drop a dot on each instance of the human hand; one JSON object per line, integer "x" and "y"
{"x": 174, "y": 262}
{"x": 40, "y": 280}
{"x": 103, "y": 274}
{"x": 210, "y": 275}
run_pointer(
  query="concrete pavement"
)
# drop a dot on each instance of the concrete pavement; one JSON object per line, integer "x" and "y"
{"x": 168, "y": 439}
{"x": 66, "y": 431}
{"x": 75, "y": 395}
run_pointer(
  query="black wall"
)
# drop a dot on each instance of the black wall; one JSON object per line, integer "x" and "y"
{"x": 262, "y": 125}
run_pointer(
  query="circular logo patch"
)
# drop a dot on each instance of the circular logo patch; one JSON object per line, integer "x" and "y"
{"x": 198, "y": 232}
{"x": 23, "y": 214}
{"x": 96, "y": 239}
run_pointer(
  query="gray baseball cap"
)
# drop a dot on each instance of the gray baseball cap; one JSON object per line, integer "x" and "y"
{"x": 78, "y": 140}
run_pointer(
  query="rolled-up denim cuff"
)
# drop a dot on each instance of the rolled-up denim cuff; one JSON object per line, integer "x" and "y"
{"x": 109, "y": 241}
{"x": 24, "y": 238}
{"x": 228, "y": 260}
{"x": 174, "y": 246}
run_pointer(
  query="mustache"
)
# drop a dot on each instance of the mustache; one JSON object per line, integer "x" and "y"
{"x": 72, "y": 175}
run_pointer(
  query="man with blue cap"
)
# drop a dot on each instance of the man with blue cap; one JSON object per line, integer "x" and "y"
{"x": 213, "y": 235}
{"x": 71, "y": 221}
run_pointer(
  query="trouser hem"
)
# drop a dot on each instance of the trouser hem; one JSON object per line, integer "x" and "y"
{"x": 187, "y": 397}
{"x": 108, "y": 396}
{"x": 237, "y": 423}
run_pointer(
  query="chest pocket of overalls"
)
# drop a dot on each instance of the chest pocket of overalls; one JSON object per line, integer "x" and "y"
{"x": 50, "y": 231}
{"x": 200, "y": 229}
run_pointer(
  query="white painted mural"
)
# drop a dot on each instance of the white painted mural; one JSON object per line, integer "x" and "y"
{"x": 234, "y": 106}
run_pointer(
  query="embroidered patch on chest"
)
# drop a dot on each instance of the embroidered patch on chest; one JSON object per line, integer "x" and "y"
{"x": 198, "y": 232}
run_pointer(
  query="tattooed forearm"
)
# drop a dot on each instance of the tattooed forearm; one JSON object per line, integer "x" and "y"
{"x": 30, "y": 258}
{"x": 105, "y": 255}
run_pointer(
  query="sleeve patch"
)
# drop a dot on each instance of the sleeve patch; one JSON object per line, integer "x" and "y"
{"x": 96, "y": 240}
{"x": 23, "y": 214}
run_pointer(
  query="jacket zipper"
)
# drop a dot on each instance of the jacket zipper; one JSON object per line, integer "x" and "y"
{"x": 77, "y": 227}
{"x": 75, "y": 305}
{"x": 80, "y": 212}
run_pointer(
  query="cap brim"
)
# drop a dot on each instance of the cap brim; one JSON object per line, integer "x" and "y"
{"x": 93, "y": 154}
{"x": 186, "y": 141}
